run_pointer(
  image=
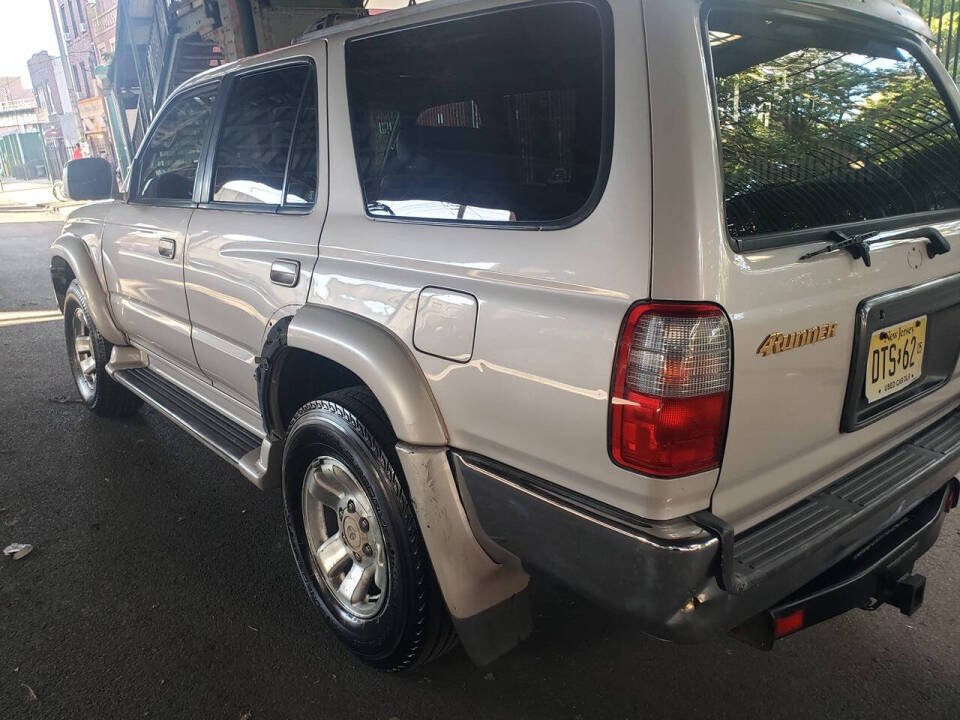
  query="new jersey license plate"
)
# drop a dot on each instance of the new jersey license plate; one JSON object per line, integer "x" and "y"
{"x": 895, "y": 359}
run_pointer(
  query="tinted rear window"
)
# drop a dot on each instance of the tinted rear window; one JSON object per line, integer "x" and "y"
{"x": 255, "y": 140}
{"x": 492, "y": 118}
{"x": 820, "y": 128}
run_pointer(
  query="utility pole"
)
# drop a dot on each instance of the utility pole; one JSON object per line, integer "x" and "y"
{"x": 67, "y": 75}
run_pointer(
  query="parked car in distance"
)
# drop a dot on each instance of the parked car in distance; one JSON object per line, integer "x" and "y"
{"x": 653, "y": 297}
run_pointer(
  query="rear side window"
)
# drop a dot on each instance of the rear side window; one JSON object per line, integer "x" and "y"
{"x": 302, "y": 173}
{"x": 822, "y": 127}
{"x": 494, "y": 118}
{"x": 256, "y": 136}
{"x": 168, "y": 165}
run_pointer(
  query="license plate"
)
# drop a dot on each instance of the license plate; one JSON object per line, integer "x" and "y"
{"x": 895, "y": 359}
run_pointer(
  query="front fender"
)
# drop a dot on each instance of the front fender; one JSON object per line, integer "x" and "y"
{"x": 381, "y": 361}
{"x": 71, "y": 249}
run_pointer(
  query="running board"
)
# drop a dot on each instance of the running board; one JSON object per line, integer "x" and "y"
{"x": 228, "y": 439}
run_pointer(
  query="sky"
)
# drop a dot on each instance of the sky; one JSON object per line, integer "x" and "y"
{"x": 25, "y": 28}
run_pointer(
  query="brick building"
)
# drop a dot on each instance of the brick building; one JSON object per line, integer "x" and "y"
{"x": 52, "y": 93}
{"x": 12, "y": 89}
{"x": 80, "y": 27}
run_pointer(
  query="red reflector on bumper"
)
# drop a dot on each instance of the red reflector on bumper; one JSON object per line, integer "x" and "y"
{"x": 788, "y": 624}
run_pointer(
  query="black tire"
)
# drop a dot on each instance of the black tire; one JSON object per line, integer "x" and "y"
{"x": 103, "y": 395}
{"x": 412, "y": 626}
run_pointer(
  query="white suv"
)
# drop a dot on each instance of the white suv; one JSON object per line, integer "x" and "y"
{"x": 655, "y": 297}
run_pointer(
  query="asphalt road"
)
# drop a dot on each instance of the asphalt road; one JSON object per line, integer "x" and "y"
{"x": 161, "y": 587}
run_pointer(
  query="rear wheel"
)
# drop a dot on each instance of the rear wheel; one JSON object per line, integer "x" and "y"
{"x": 88, "y": 353}
{"x": 355, "y": 536}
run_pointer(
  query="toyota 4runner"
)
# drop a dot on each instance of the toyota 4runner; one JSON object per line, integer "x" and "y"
{"x": 655, "y": 297}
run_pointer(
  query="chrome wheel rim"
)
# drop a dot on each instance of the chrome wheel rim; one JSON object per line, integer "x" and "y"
{"x": 85, "y": 364}
{"x": 347, "y": 552}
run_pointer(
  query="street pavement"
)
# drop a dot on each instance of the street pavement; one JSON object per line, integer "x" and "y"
{"x": 31, "y": 201}
{"x": 161, "y": 586}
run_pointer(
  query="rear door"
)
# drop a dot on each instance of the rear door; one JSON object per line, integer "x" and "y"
{"x": 144, "y": 238}
{"x": 832, "y": 134}
{"x": 832, "y": 127}
{"x": 253, "y": 240}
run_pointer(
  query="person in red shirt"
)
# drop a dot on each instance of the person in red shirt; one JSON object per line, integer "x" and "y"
{"x": 77, "y": 152}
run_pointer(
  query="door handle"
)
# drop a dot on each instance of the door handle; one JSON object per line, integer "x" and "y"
{"x": 167, "y": 247}
{"x": 285, "y": 272}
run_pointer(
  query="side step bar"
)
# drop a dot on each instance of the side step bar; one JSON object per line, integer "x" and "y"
{"x": 224, "y": 436}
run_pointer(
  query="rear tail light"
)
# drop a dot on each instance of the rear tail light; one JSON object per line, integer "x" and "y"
{"x": 671, "y": 389}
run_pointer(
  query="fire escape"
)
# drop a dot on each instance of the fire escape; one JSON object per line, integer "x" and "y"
{"x": 159, "y": 45}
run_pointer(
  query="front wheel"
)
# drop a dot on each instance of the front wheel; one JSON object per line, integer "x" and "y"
{"x": 88, "y": 353}
{"x": 355, "y": 536}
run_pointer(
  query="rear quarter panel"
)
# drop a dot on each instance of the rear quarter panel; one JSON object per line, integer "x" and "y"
{"x": 534, "y": 394}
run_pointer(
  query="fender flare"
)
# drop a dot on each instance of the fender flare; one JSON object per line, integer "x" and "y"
{"x": 73, "y": 251}
{"x": 381, "y": 361}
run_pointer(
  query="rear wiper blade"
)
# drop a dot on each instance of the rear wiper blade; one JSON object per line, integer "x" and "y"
{"x": 859, "y": 246}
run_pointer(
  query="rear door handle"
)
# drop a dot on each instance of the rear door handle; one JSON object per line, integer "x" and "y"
{"x": 285, "y": 272}
{"x": 167, "y": 247}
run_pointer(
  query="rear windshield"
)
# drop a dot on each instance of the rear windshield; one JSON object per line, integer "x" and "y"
{"x": 820, "y": 128}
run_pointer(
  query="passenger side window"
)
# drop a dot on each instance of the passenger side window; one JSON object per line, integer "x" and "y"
{"x": 492, "y": 118}
{"x": 168, "y": 166}
{"x": 255, "y": 140}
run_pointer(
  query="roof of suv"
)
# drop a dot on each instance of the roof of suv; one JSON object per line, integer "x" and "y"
{"x": 890, "y": 11}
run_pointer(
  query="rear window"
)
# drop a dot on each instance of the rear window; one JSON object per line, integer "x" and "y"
{"x": 258, "y": 127}
{"x": 821, "y": 127}
{"x": 493, "y": 118}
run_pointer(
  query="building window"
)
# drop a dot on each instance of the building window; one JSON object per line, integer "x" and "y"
{"x": 73, "y": 18}
{"x": 63, "y": 21}
{"x": 86, "y": 80}
{"x": 76, "y": 79}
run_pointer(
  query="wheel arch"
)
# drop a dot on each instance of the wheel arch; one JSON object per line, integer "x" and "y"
{"x": 319, "y": 350}
{"x": 70, "y": 259}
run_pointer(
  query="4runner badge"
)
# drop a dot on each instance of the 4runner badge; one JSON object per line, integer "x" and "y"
{"x": 781, "y": 342}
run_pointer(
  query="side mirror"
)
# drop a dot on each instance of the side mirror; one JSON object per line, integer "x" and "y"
{"x": 88, "y": 179}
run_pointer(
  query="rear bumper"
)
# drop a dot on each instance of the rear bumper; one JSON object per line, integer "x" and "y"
{"x": 693, "y": 579}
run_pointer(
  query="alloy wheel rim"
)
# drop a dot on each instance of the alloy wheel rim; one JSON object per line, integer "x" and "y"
{"x": 347, "y": 551}
{"x": 85, "y": 363}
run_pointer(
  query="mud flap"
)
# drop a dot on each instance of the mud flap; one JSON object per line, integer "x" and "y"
{"x": 487, "y": 600}
{"x": 497, "y": 630}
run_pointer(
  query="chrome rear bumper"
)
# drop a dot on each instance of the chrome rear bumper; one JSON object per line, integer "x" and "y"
{"x": 706, "y": 580}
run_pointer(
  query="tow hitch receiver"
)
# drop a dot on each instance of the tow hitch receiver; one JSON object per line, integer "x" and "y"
{"x": 881, "y": 572}
{"x": 906, "y": 594}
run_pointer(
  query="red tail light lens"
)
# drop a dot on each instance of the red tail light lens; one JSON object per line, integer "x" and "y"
{"x": 671, "y": 389}
{"x": 788, "y": 624}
